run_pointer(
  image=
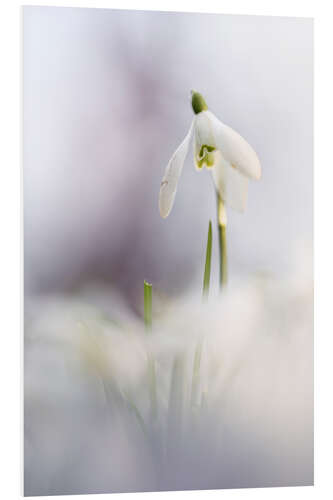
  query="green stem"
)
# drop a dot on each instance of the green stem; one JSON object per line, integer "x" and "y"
{"x": 222, "y": 229}
{"x": 206, "y": 280}
{"x": 151, "y": 363}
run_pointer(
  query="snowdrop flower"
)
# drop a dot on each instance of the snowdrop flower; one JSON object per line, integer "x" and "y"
{"x": 230, "y": 158}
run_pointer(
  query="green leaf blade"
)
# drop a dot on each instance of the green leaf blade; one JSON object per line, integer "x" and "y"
{"x": 147, "y": 298}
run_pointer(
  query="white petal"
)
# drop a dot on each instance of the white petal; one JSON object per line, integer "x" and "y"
{"x": 235, "y": 149}
{"x": 171, "y": 176}
{"x": 196, "y": 151}
{"x": 204, "y": 130}
{"x": 231, "y": 185}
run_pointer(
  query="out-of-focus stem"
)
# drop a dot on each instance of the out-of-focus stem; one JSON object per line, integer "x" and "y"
{"x": 222, "y": 230}
{"x": 196, "y": 374}
{"x": 152, "y": 385}
{"x": 175, "y": 409}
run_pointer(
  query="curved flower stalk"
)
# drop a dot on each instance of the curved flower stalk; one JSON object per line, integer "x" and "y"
{"x": 231, "y": 160}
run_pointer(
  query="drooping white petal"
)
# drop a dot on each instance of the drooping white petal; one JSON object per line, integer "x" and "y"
{"x": 172, "y": 172}
{"x": 231, "y": 184}
{"x": 196, "y": 151}
{"x": 234, "y": 148}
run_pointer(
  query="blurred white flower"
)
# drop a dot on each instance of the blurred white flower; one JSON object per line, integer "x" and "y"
{"x": 231, "y": 159}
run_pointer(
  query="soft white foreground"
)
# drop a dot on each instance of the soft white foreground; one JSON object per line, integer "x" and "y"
{"x": 88, "y": 426}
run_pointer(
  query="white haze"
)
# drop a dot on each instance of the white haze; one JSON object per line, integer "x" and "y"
{"x": 255, "y": 427}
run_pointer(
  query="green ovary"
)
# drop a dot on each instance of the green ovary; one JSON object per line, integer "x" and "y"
{"x": 198, "y": 103}
{"x": 206, "y": 156}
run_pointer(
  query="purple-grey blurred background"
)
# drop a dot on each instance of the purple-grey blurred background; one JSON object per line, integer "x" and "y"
{"x": 106, "y": 102}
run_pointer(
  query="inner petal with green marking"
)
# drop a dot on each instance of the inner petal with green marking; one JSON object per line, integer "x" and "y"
{"x": 205, "y": 156}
